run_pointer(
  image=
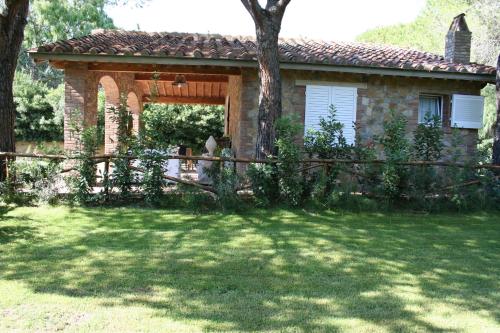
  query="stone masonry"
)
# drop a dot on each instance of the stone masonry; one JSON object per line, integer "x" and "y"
{"x": 377, "y": 95}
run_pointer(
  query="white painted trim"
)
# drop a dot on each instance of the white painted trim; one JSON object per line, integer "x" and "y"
{"x": 359, "y": 85}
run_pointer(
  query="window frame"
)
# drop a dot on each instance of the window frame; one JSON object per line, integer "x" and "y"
{"x": 441, "y": 106}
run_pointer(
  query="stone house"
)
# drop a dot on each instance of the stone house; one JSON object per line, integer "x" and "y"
{"x": 363, "y": 81}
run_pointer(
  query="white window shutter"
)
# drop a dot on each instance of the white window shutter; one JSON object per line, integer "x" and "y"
{"x": 318, "y": 102}
{"x": 467, "y": 111}
{"x": 345, "y": 101}
{"x": 317, "y": 106}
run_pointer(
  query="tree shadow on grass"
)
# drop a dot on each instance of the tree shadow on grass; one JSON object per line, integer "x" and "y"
{"x": 269, "y": 271}
{"x": 10, "y": 233}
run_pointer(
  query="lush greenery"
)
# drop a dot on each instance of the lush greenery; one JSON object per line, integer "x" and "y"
{"x": 188, "y": 125}
{"x": 131, "y": 269}
{"x": 39, "y": 113}
{"x": 38, "y": 89}
{"x": 286, "y": 180}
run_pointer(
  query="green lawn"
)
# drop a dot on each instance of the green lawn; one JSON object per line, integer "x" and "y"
{"x": 125, "y": 270}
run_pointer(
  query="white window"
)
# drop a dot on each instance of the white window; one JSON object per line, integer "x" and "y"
{"x": 318, "y": 102}
{"x": 467, "y": 111}
{"x": 429, "y": 107}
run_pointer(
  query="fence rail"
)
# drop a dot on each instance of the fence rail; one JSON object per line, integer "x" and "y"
{"x": 108, "y": 157}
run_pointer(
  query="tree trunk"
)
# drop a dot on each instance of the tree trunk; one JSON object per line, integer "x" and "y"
{"x": 496, "y": 138}
{"x": 12, "y": 23}
{"x": 267, "y": 26}
{"x": 270, "y": 106}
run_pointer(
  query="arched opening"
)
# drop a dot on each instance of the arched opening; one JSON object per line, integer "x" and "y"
{"x": 134, "y": 107}
{"x": 109, "y": 100}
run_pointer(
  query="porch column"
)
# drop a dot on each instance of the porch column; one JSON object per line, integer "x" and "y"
{"x": 120, "y": 88}
{"x": 80, "y": 109}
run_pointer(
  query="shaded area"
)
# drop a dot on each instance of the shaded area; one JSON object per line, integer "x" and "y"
{"x": 268, "y": 270}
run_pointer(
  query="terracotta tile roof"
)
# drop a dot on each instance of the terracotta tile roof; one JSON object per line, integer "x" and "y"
{"x": 132, "y": 43}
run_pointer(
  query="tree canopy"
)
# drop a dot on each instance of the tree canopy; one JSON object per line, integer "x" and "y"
{"x": 427, "y": 32}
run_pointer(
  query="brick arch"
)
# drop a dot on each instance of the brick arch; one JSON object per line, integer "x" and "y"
{"x": 135, "y": 108}
{"x": 112, "y": 94}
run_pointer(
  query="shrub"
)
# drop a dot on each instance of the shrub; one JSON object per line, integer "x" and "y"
{"x": 427, "y": 146}
{"x": 396, "y": 150}
{"x": 264, "y": 183}
{"x": 287, "y": 166}
{"x": 122, "y": 176}
{"x": 153, "y": 162}
{"x": 41, "y": 178}
{"x": 428, "y": 139}
{"x": 225, "y": 182}
{"x": 328, "y": 142}
{"x": 82, "y": 185}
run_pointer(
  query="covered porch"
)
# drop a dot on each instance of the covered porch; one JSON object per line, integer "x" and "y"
{"x": 137, "y": 84}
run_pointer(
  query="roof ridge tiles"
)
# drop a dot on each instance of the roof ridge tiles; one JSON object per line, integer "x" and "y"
{"x": 292, "y": 49}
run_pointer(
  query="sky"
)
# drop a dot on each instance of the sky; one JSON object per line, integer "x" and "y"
{"x": 319, "y": 19}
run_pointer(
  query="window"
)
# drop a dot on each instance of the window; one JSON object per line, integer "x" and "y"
{"x": 318, "y": 102}
{"x": 430, "y": 106}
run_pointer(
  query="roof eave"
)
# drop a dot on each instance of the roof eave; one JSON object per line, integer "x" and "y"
{"x": 46, "y": 56}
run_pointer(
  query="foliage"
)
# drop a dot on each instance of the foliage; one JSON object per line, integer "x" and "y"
{"x": 41, "y": 178}
{"x": 264, "y": 183}
{"x": 328, "y": 142}
{"x": 427, "y": 146}
{"x": 289, "y": 155}
{"x": 428, "y": 139}
{"x": 154, "y": 163}
{"x": 58, "y": 20}
{"x": 396, "y": 150}
{"x": 36, "y": 118}
{"x": 225, "y": 181}
{"x": 188, "y": 125}
{"x": 122, "y": 176}
{"x": 82, "y": 185}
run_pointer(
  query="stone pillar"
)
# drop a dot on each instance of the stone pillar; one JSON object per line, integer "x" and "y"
{"x": 80, "y": 108}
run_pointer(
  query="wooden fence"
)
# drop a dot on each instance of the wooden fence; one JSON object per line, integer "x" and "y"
{"x": 110, "y": 157}
{"x": 308, "y": 164}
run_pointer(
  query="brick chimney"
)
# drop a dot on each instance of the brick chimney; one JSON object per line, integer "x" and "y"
{"x": 458, "y": 41}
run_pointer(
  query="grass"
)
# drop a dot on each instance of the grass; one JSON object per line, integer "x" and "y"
{"x": 126, "y": 269}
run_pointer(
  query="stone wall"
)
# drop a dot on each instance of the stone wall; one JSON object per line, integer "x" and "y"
{"x": 377, "y": 95}
{"x": 81, "y": 87}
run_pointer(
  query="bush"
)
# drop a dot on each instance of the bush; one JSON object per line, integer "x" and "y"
{"x": 122, "y": 176}
{"x": 153, "y": 162}
{"x": 287, "y": 166}
{"x": 41, "y": 178}
{"x": 82, "y": 185}
{"x": 396, "y": 150}
{"x": 225, "y": 182}
{"x": 425, "y": 179}
{"x": 264, "y": 183}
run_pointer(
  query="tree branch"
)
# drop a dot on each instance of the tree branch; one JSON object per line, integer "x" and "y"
{"x": 254, "y": 8}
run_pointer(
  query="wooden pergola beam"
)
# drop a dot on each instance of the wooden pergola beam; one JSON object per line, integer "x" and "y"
{"x": 151, "y": 68}
{"x": 189, "y": 77}
{"x": 185, "y": 100}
